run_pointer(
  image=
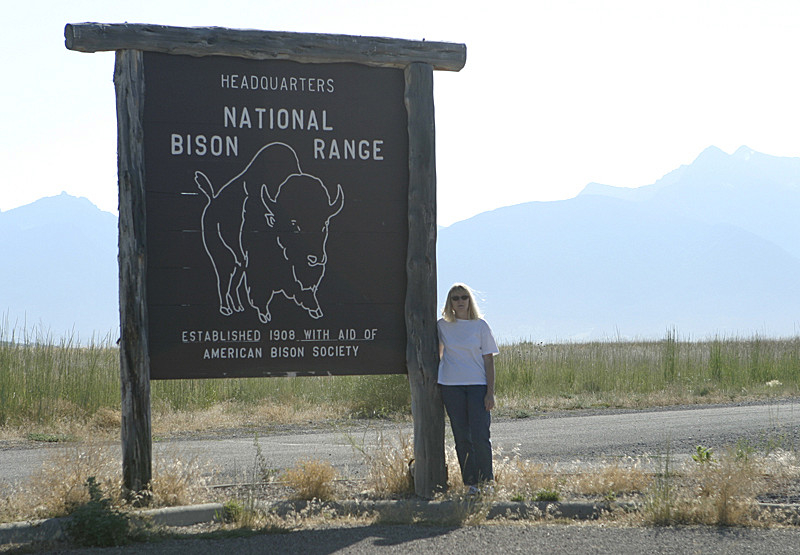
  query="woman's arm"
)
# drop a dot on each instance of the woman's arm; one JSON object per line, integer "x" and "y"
{"x": 488, "y": 365}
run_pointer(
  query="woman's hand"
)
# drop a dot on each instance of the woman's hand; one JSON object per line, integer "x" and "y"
{"x": 488, "y": 365}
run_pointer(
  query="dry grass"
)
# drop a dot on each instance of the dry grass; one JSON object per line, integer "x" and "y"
{"x": 232, "y": 415}
{"x": 525, "y": 480}
{"x": 59, "y": 486}
{"x": 522, "y": 478}
{"x": 312, "y": 479}
{"x": 512, "y": 405}
{"x": 611, "y": 480}
{"x": 515, "y": 477}
{"x": 313, "y": 515}
{"x": 719, "y": 492}
{"x": 723, "y": 491}
{"x": 388, "y": 463}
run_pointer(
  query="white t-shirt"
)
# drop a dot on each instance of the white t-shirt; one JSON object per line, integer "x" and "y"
{"x": 465, "y": 342}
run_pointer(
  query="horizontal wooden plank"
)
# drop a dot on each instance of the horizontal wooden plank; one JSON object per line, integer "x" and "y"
{"x": 196, "y": 341}
{"x": 167, "y": 323}
{"x": 184, "y": 212}
{"x": 262, "y": 45}
{"x": 360, "y": 267}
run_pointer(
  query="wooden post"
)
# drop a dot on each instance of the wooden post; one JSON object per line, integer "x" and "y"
{"x": 430, "y": 472}
{"x": 134, "y": 361}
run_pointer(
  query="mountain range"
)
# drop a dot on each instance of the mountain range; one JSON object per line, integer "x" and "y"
{"x": 58, "y": 277}
{"x": 710, "y": 249}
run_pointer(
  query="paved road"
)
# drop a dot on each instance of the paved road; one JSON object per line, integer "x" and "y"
{"x": 561, "y": 438}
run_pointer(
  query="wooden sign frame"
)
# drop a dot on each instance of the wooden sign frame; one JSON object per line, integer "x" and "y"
{"x": 418, "y": 59}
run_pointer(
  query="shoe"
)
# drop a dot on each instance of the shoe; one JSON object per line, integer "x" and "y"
{"x": 473, "y": 490}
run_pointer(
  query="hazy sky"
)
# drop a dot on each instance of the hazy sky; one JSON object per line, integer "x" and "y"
{"x": 553, "y": 96}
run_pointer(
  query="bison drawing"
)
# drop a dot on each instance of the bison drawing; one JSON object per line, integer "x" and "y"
{"x": 266, "y": 231}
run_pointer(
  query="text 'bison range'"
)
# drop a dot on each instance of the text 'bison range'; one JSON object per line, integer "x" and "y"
{"x": 266, "y": 231}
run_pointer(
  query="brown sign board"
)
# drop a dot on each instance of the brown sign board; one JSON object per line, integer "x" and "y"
{"x": 276, "y": 203}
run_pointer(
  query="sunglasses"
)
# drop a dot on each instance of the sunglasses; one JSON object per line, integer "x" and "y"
{"x": 457, "y": 297}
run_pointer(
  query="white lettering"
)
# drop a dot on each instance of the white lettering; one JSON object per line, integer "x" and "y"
{"x": 221, "y": 336}
{"x": 245, "y": 121}
{"x": 287, "y": 352}
{"x": 353, "y": 149}
{"x": 219, "y": 146}
{"x": 274, "y": 83}
{"x": 280, "y": 118}
{"x": 200, "y": 145}
{"x": 230, "y": 116}
{"x": 334, "y": 151}
{"x": 334, "y": 351}
{"x": 349, "y": 149}
{"x": 283, "y": 118}
{"x": 233, "y": 353}
{"x": 317, "y": 335}
{"x": 177, "y": 144}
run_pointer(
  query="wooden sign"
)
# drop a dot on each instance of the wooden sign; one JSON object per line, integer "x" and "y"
{"x": 277, "y": 202}
{"x": 200, "y": 296}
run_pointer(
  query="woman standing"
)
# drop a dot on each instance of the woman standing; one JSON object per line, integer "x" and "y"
{"x": 466, "y": 374}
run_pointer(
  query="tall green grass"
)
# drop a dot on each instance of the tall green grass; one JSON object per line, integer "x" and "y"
{"x": 636, "y": 373}
{"x": 362, "y": 396}
{"x": 42, "y": 381}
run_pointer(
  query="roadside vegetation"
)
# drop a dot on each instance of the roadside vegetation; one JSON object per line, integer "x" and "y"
{"x": 728, "y": 489}
{"x": 59, "y": 390}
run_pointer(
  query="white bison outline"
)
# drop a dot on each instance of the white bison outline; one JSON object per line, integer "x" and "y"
{"x": 266, "y": 231}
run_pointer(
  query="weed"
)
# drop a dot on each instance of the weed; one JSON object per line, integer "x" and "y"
{"x": 242, "y": 514}
{"x": 97, "y": 523}
{"x": 743, "y": 450}
{"x": 232, "y": 511}
{"x": 670, "y": 355}
{"x": 660, "y": 500}
{"x": 261, "y": 470}
{"x": 547, "y": 495}
{"x": 703, "y": 455}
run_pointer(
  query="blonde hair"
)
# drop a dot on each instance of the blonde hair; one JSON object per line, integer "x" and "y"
{"x": 449, "y": 313}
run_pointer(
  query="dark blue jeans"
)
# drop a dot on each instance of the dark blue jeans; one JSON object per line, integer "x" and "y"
{"x": 470, "y": 422}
